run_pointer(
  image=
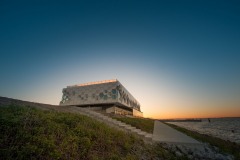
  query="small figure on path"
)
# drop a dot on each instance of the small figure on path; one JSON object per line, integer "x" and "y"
{"x": 209, "y": 120}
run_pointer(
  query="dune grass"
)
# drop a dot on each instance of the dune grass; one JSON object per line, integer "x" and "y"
{"x": 224, "y": 146}
{"x": 29, "y": 133}
{"x": 144, "y": 124}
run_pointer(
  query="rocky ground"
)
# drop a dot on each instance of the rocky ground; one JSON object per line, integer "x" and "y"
{"x": 204, "y": 151}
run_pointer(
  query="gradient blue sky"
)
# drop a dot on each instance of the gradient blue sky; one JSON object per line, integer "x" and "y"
{"x": 178, "y": 58}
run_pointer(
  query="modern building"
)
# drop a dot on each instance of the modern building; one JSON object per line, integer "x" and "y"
{"x": 109, "y": 96}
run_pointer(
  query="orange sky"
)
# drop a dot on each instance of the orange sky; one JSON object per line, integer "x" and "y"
{"x": 192, "y": 112}
{"x": 161, "y": 99}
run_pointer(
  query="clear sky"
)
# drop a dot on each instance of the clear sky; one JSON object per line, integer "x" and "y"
{"x": 177, "y": 58}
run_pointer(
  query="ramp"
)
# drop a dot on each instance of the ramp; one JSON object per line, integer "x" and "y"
{"x": 166, "y": 134}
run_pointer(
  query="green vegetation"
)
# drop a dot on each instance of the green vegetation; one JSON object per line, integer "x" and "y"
{"x": 224, "y": 146}
{"x": 144, "y": 124}
{"x": 29, "y": 133}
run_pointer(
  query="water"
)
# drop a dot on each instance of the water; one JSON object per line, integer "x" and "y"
{"x": 224, "y": 128}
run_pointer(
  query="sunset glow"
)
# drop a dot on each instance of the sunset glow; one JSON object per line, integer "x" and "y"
{"x": 179, "y": 60}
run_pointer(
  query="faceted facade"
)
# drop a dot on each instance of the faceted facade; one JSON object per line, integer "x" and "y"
{"x": 109, "y": 95}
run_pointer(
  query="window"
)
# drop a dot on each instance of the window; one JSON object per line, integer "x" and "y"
{"x": 114, "y": 91}
{"x": 101, "y": 95}
{"x": 105, "y": 97}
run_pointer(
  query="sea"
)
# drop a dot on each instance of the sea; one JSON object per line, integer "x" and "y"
{"x": 223, "y": 128}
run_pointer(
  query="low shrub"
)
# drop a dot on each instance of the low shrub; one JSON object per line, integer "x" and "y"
{"x": 144, "y": 124}
{"x": 29, "y": 133}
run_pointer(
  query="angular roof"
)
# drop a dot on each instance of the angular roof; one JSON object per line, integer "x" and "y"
{"x": 93, "y": 83}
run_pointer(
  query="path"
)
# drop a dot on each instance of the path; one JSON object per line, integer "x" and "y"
{"x": 164, "y": 133}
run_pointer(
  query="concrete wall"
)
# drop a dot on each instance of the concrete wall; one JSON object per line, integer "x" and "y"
{"x": 110, "y": 110}
{"x": 96, "y": 108}
{"x": 137, "y": 113}
{"x": 117, "y": 110}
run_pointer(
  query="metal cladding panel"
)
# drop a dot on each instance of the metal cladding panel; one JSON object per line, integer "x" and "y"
{"x": 125, "y": 98}
{"x": 112, "y": 92}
